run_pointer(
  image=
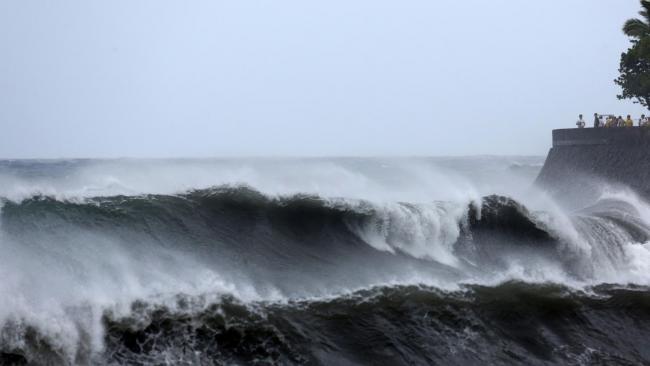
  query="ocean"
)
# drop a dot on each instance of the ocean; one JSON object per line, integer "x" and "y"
{"x": 317, "y": 261}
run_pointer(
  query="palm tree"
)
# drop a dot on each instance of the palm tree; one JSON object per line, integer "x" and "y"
{"x": 639, "y": 28}
{"x": 634, "y": 69}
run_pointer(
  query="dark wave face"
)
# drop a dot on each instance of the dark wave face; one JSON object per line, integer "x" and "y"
{"x": 513, "y": 323}
{"x": 232, "y": 275}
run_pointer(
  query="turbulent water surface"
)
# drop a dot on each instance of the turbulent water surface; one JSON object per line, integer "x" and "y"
{"x": 451, "y": 261}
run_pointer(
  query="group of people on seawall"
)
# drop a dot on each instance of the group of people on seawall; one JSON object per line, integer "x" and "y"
{"x": 611, "y": 120}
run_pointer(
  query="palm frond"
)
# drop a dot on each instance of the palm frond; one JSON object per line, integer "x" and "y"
{"x": 645, "y": 13}
{"x": 636, "y": 28}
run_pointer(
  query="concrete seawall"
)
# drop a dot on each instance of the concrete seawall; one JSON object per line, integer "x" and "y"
{"x": 581, "y": 161}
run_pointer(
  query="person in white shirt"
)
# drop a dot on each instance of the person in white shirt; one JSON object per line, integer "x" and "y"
{"x": 643, "y": 121}
{"x": 581, "y": 122}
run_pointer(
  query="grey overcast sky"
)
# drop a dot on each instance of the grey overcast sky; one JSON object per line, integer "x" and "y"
{"x": 166, "y": 78}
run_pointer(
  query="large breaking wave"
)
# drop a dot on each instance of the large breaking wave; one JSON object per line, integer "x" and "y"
{"x": 238, "y": 274}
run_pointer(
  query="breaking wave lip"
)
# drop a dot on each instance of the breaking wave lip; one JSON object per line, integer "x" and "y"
{"x": 423, "y": 230}
{"x": 267, "y": 252}
{"x": 435, "y": 231}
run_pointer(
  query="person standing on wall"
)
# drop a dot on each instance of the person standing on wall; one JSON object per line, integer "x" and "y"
{"x": 581, "y": 122}
{"x": 596, "y": 120}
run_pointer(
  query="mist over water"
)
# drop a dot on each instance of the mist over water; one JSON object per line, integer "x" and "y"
{"x": 250, "y": 260}
{"x": 371, "y": 178}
